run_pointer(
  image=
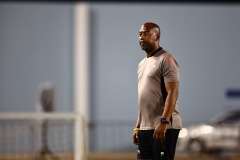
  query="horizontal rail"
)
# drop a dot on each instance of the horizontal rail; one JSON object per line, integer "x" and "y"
{"x": 30, "y": 115}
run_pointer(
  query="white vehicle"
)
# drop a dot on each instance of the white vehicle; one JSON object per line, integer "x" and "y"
{"x": 221, "y": 133}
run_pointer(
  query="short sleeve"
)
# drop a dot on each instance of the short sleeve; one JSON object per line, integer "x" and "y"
{"x": 170, "y": 69}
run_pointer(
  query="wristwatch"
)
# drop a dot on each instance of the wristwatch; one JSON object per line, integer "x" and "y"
{"x": 164, "y": 121}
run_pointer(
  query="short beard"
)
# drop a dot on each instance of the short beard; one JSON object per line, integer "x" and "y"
{"x": 146, "y": 48}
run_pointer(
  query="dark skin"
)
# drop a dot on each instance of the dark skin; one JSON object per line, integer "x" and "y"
{"x": 149, "y": 40}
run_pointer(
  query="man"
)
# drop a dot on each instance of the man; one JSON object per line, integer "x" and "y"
{"x": 159, "y": 121}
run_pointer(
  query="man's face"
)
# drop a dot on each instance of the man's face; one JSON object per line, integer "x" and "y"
{"x": 146, "y": 38}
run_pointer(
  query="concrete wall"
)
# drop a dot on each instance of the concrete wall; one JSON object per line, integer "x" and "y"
{"x": 203, "y": 38}
{"x": 36, "y": 45}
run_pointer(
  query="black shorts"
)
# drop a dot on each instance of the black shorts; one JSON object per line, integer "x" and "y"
{"x": 149, "y": 148}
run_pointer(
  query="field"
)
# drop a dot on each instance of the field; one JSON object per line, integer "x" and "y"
{"x": 125, "y": 156}
{"x": 179, "y": 156}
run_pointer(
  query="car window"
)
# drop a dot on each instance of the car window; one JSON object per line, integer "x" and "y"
{"x": 227, "y": 117}
{"x": 232, "y": 118}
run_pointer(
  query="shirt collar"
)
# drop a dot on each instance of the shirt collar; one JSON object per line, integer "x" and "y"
{"x": 159, "y": 49}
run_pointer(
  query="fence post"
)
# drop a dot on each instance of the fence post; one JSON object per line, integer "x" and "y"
{"x": 80, "y": 152}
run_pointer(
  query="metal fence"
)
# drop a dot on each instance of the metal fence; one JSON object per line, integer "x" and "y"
{"x": 111, "y": 136}
{"x": 23, "y": 135}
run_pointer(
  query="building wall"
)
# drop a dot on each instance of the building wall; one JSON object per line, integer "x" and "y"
{"x": 36, "y": 45}
{"x": 203, "y": 38}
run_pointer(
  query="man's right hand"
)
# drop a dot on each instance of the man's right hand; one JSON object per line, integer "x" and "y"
{"x": 135, "y": 139}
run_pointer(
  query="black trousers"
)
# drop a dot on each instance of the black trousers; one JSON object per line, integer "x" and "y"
{"x": 149, "y": 148}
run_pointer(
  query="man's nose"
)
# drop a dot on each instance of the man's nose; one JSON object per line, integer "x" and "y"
{"x": 142, "y": 37}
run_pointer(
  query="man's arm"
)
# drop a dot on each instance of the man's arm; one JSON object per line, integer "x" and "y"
{"x": 172, "y": 90}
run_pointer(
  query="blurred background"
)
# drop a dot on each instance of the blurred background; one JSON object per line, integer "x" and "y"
{"x": 39, "y": 42}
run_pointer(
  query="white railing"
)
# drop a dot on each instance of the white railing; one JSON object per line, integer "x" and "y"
{"x": 78, "y": 129}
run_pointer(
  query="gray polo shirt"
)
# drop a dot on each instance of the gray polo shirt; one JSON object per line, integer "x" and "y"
{"x": 150, "y": 100}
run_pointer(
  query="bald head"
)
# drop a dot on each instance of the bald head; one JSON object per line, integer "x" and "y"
{"x": 153, "y": 27}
